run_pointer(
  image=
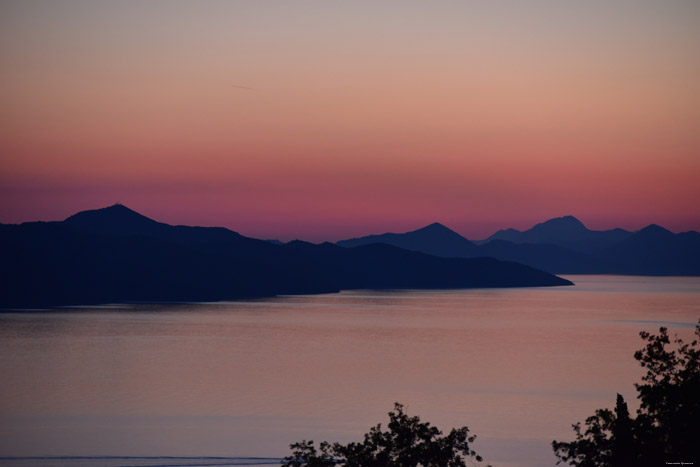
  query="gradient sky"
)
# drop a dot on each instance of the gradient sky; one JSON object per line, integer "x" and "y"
{"x": 326, "y": 120}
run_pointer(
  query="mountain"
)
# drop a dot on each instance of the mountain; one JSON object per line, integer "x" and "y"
{"x": 114, "y": 220}
{"x": 438, "y": 240}
{"x": 379, "y": 265}
{"x": 655, "y": 251}
{"x": 435, "y": 239}
{"x": 563, "y": 246}
{"x": 544, "y": 256}
{"x": 567, "y": 232}
{"x": 116, "y": 255}
{"x": 118, "y": 220}
{"x": 274, "y": 241}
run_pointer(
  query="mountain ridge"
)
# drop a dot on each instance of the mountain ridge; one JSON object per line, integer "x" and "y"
{"x": 434, "y": 239}
{"x": 564, "y": 245}
{"x": 115, "y": 255}
{"x": 566, "y": 231}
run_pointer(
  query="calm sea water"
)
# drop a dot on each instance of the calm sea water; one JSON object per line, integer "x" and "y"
{"x": 246, "y": 379}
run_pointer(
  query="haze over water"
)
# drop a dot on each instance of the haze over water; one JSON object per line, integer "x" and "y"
{"x": 518, "y": 366}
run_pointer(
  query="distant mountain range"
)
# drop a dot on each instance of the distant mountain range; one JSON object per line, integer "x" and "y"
{"x": 567, "y": 232}
{"x": 435, "y": 239}
{"x": 562, "y": 246}
{"x": 116, "y": 255}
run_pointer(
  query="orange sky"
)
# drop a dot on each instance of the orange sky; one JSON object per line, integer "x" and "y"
{"x": 321, "y": 121}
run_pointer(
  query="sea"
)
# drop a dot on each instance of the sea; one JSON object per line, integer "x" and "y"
{"x": 235, "y": 383}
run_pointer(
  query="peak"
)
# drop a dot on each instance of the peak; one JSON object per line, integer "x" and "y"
{"x": 570, "y": 218}
{"x": 437, "y": 231}
{"x": 298, "y": 243}
{"x": 434, "y": 227}
{"x": 116, "y": 219}
{"x": 117, "y": 207}
{"x": 566, "y": 220}
{"x": 656, "y": 229}
{"x": 566, "y": 223}
{"x": 114, "y": 210}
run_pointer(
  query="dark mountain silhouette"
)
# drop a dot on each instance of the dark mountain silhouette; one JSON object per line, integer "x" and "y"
{"x": 116, "y": 255}
{"x": 564, "y": 231}
{"x": 543, "y": 256}
{"x": 379, "y": 265}
{"x": 435, "y": 239}
{"x": 655, "y": 251}
{"x": 118, "y": 220}
{"x": 114, "y": 220}
{"x": 439, "y": 240}
{"x": 275, "y": 241}
{"x": 565, "y": 246}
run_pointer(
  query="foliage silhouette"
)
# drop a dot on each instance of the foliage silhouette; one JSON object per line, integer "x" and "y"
{"x": 407, "y": 443}
{"x": 667, "y": 426}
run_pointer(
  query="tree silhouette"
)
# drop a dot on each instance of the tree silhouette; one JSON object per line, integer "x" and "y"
{"x": 667, "y": 426}
{"x": 407, "y": 443}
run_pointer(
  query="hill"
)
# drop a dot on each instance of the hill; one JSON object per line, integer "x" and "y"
{"x": 434, "y": 239}
{"x": 566, "y": 231}
{"x": 117, "y": 255}
{"x": 654, "y": 251}
{"x": 563, "y": 246}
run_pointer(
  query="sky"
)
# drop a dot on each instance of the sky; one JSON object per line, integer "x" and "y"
{"x": 327, "y": 120}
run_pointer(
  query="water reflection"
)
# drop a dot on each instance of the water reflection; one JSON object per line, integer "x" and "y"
{"x": 247, "y": 378}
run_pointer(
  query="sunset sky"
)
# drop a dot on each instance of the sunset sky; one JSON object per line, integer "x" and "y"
{"x": 326, "y": 120}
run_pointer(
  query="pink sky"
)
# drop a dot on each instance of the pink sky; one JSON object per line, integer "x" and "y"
{"x": 362, "y": 118}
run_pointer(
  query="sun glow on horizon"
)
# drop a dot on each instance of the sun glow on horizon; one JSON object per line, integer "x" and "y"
{"x": 323, "y": 121}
